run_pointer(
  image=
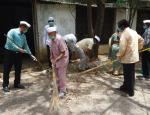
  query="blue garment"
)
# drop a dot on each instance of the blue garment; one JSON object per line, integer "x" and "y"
{"x": 114, "y": 49}
{"x": 16, "y": 40}
{"x": 146, "y": 37}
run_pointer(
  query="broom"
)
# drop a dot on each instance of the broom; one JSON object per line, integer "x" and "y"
{"x": 54, "y": 101}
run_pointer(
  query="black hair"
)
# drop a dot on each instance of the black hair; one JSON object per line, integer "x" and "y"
{"x": 148, "y": 24}
{"x": 122, "y": 24}
{"x": 117, "y": 30}
{"x": 23, "y": 25}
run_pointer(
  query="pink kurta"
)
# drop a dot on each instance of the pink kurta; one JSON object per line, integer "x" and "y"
{"x": 57, "y": 47}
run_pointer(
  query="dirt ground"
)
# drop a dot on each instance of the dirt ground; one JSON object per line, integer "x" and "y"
{"x": 88, "y": 94}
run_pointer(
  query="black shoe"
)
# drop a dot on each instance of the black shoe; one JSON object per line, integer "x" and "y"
{"x": 19, "y": 86}
{"x": 121, "y": 92}
{"x": 131, "y": 94}
{"x": 123, "y": 89}
{"x": 6, "y": 89}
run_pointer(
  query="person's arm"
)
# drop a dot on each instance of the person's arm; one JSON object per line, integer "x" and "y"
{"x": 59, "y": 57}
{"x": 147, "y": 39}
{"x": 62, "y": 48}
{"x": 110, "y": 46}
{"x": 45, "y": 35}
{"x": 140, "y": 42}
{"x": 26, "y": 47}
{"x": 10, "y": 41}
{"x": 122, "y": 46}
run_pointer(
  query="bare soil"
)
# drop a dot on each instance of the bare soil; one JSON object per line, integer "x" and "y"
{"x": 93, "y": 93}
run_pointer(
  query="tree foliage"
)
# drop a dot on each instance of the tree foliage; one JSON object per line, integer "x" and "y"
{"x": 132, "y": 5}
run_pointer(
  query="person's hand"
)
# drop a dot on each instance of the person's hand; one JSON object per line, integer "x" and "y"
{"x": 22, "y": 50}
{"x": 54, "y": 63}
{"x": 118, "y": 57}
{"x": 33, "y": 58}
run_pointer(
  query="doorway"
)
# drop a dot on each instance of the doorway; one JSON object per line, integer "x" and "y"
{"x": 142, "y": 14}
{"x": 12, "y": 12}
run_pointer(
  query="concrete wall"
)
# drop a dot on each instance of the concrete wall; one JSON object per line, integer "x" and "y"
{"x": 120, "y": 14}
{"x": 65, "y": 21}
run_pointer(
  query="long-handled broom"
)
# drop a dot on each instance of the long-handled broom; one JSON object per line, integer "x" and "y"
{"x": 54, "y": 101}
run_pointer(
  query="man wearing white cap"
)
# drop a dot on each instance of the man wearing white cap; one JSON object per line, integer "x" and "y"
{"x": 59, "y": 58}
{"x": 51, "y": 23}
{"x": 146, "y": 54}
{"x": 71, "y": 41}
{"x": 87, "y": 44}
{"x": 16, "y": 44}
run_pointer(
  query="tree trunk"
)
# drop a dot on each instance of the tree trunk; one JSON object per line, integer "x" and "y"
{"x": 133, "y": 6}
{"x": 89, "y": 19}
{"x": 99, "y": 26}
{"x": 100, "y": 17}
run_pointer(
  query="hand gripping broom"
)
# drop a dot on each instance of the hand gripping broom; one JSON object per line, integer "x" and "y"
{"x": 54, "y": 101}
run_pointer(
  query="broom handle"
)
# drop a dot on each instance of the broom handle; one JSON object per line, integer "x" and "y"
{"x": 55, "y": 87}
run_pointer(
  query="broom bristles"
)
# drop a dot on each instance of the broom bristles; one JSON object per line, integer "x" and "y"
{"x": 54, "y": 102}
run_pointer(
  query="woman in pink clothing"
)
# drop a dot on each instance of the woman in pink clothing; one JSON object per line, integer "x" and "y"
{"x": 59, "y": 58}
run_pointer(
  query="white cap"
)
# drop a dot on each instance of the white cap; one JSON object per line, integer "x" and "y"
{"x": 70, "y": 37}
{"x": 146, "y": 21}
{"x": 52, "y": 29}
{"x": 25, "y": 23}
{"x": 97, "y": 38}
{"x": 50, "y": 19}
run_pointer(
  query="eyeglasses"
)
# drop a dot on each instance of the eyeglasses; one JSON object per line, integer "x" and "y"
{"x": 50, "y": 20}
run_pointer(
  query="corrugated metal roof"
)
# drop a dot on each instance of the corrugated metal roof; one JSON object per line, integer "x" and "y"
{"x": 143, "y": 3}
{"x": 81, "y": 2}
{"x": 77, "y": 2}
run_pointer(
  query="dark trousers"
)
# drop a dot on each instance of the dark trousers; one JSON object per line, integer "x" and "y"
{"x": 129, "y": 78}
{"x": 12, "y": 58}
{"x": 48, "y": 57}
{"x": 146, "y": 64}
{"x": 70, "y": 54}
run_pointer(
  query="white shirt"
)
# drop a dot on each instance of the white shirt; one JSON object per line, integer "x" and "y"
{"x": 130, "y": 43}
{"x": 46, "y": 38}
{"x": 86, "y": 43}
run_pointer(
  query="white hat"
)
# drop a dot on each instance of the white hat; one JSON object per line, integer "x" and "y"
{"x": 52, "y": 29}
{"x": 50, "y": 19}
{"x": 146, "y": 21}
{"x": 25, "y": 23}
{"x": 97, "y": 38}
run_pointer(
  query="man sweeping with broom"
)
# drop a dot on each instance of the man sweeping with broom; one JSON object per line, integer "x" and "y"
{"x": 59, "y": 58}
{"x": 16, "y": 45}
